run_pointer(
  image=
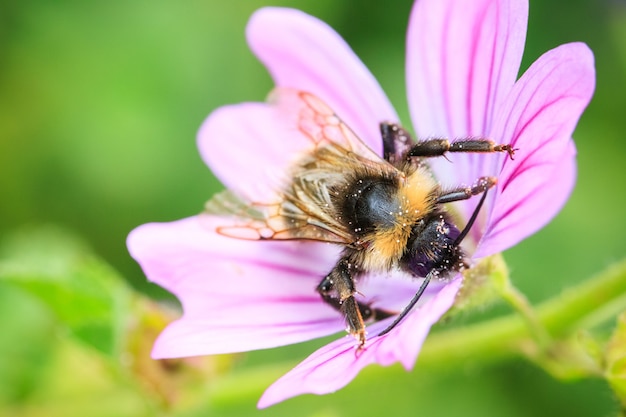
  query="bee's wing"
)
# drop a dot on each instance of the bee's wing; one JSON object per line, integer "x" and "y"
{"x": 285, "y": 220}
{"x": 305, "y": 209}
{"x": 317, "y": 121}
{"x": 245, "y": 220}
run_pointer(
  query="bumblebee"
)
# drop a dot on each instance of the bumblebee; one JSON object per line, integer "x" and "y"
{"x": 387, "y": 212}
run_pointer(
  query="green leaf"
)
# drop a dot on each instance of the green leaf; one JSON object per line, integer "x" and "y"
{"x": 82, "y": 292}
{"x": 615, "y": 372}
{"x": 111, "y": 329}
{"x": 26, "y": 330}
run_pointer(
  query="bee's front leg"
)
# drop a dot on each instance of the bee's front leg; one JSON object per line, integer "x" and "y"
{"x": 338, "y": 290}
{"x": 439, "y": 147}
{"x": 396, "y": 141}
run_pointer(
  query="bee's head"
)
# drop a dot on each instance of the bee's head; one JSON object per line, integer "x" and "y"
{"x": 433, "y": 245}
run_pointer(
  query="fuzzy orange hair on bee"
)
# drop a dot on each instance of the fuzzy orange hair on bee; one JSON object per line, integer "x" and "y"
{"x": 386, "y": 211}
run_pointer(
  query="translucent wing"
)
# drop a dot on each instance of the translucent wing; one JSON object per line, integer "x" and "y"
{"x": 307, "y": 207}
{"x": 317, "y": 121}
{"x": 278, "y": 221}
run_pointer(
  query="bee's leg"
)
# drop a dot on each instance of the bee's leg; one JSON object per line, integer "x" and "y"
{"x": 370, "y": 314}
{"x": 396, "y": 141}
{"x": 327, "y": 290}
{"x": 338, "y": 290}
{"x": 438, "y": 147}
{"x": 464, "y": 193}
{"x": 482, "y": 186}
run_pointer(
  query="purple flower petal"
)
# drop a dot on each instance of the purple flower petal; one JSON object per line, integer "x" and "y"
{"x": 539, "y": 117}
{"x": 249, "y": 148}
{"x": 237, "y": 295}
{"x": 393, "y": 290}
{"x": 336, "y": 364}
{"x": 462, "y": 59}
{"x": 240, "y": 295}
{"x": 303, "y": 52}
{"x": 540, "y": 194}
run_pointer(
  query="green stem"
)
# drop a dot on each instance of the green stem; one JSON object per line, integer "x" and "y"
{"x": 504, "y": 337}
{"x": 520, "y": 303}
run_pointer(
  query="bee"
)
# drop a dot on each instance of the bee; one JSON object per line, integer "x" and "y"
{"x": 386, "y": 211}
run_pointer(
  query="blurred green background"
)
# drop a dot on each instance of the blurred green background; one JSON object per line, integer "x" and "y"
{"x": 99, "y": 106}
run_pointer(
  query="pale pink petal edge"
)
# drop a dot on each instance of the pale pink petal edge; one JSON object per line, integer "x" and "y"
{"x": 335, "y": 365}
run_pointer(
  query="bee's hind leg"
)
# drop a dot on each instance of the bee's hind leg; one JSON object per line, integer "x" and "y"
{"x": 338, "y": 289}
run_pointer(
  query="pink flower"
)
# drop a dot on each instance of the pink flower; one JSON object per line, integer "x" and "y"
{"x": 463, "y": 58}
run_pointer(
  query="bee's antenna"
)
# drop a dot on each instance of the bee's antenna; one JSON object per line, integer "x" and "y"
{"x": 435, "y": 272}
{"x": 412, "y": 303}
{"x": 471, "y": 221}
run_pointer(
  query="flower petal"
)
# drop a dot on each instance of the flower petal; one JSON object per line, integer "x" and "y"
{"x": 237, "y": 295}
{"x": 249, "y": 148}
{"x": 540, "y": 194}
{"x": 392, "y": 290}
{"x": 335, "y": 365}
{"x": 272, "y": 136}
{"x": 462, "y": 59}
{"x": 539, "y": 118}
{"x": 303, "y": 52}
